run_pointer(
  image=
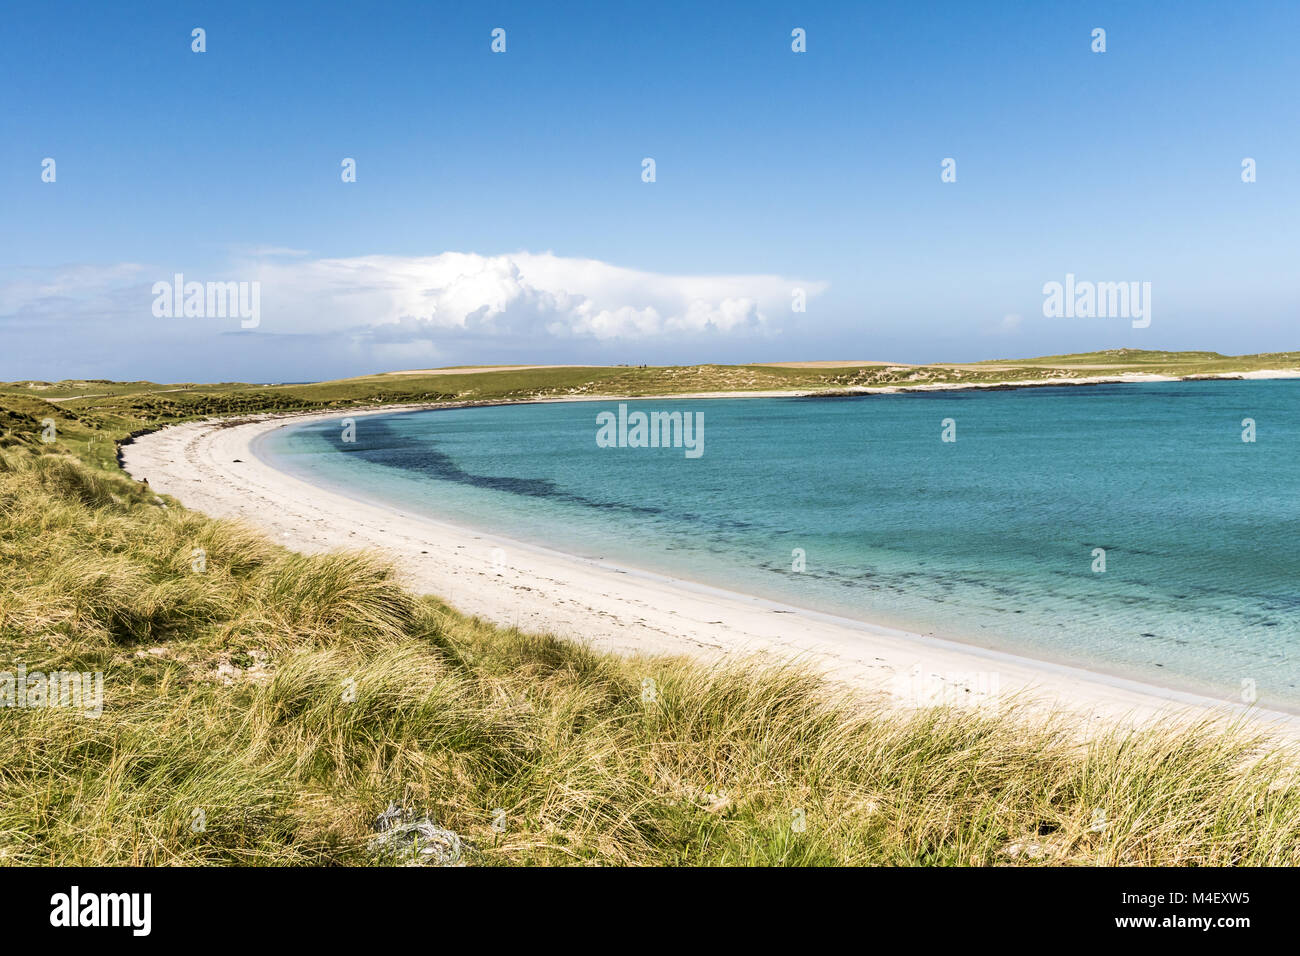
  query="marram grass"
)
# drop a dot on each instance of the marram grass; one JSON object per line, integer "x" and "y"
{"x": 265, "y": 709}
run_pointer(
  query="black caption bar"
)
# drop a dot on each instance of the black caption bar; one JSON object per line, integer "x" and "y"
{"x": 338, "y": 906}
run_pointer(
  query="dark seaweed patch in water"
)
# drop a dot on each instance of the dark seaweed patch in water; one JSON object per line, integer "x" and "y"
{"x": 383, "y": 446}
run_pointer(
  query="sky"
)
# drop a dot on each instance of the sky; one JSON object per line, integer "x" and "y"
{"x": 501, "y": 211}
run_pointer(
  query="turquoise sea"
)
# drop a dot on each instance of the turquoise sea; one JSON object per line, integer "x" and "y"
{"x": 989, "y": 539}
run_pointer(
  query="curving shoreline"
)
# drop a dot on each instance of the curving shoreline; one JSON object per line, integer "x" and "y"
{"x": 212, "y": 466}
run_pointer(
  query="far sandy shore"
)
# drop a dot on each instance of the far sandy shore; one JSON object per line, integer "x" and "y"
{"x": 209, "y": 466}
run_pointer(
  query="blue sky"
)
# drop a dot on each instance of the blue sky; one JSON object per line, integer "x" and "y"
{"x": 499, "y": 212}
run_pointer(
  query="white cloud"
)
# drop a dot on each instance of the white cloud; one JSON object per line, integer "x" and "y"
{"x": 321, "y": 316}
{"x": 456, "y": 295}
{"x": 33, "y": 292}
{"x": 1010, "y": 323}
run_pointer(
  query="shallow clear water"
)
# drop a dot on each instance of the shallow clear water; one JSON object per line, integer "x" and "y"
{"x": 988, "y": 539}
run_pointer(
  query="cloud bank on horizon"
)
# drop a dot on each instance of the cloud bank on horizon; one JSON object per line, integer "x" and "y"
{"x": 397, "y": 299}
{"x": 385, "y": 311}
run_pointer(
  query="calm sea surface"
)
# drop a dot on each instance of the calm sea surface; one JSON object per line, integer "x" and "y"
{"x": 989, "y": 539}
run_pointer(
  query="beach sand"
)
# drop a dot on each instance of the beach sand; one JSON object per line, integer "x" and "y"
{"x": 210, "y": 466}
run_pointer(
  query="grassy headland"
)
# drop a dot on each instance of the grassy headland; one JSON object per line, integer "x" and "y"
{"x": 266, "y": 708}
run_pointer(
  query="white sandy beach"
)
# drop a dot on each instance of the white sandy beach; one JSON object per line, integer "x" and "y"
{"x": 209, "y": 466}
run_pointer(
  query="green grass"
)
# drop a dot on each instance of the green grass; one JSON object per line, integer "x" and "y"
{"x": 283, "y": 701}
